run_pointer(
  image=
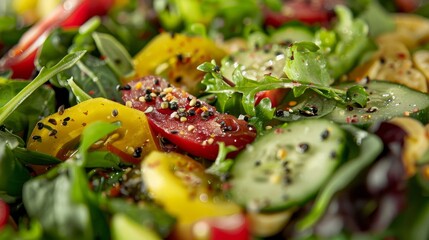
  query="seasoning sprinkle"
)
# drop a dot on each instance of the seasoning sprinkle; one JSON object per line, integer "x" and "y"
{"x": 52, "y": 121}
{"x": 40, "y": 125}
{"x": 303, "y": 147}
{"x": 115, "y": 113}
{"x": 61, "y": 110}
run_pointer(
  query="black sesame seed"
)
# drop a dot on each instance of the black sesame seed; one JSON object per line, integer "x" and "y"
{"x": 191, "y": 112}
{"x": 257, "y": 163}
{"x": 148, "y": 91}
{"x": 53, "y": 132}
{"x": 280, "y": 113}
{"x": 303, "y": 147}
{"x": 64, "y": 123}
{"x": 52, "y": 121}
{"x": 350, "y": 108}
{"x": 178, "y": 79}
{"x": 198, "y": 104}
{"x": 205, "y": 115}
{"x": 66, "y": 119}
{"x": 156, "y": 81}
{"x": 122, "y": 88}
{"x": 333, "y": 155}
{"x": 179, "y": 57}
{"x": 40, "y": 125}
{"x": 148, "y": 98}
{"x": 173, "y": 105}
{"x": 174, "y": 131}
{"x": 325, "y": 134}
{"x": 115, "y": 112}
{"x": 36, "y": 137}
{"x": 216, "y": 68}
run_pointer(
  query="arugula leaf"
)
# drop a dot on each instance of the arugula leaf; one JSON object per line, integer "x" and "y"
{"x": 344, "y": 45}
{"x": 305, "y": 64}
{"x": 77, "y": 91}
{"x": 44, "y": 75}
{"x": 222, "y": 164}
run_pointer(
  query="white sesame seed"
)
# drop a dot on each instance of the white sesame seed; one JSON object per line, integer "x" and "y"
{"x": 128, "y": 104}
{"x": 174, "y": 115}
{"x": 210, "y": 141}
{"x": 183, "y": 119}
{"x": 149, "y": 109}
{"x": 141, "y": 99}
{"x": 193, "y": 102}
{"x": 191, "y": 127}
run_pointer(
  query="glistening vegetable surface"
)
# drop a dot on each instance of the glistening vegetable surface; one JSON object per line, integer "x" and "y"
{"x": 226, "y": 119}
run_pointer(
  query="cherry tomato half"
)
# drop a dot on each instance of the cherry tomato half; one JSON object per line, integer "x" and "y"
{"x": 193, "y": 125}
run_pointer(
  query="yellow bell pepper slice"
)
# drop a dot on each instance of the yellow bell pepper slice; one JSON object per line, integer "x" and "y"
{"x": 180, "y": 185}
{"x": 176, "y": 58}
{"x": 59, "y": 134}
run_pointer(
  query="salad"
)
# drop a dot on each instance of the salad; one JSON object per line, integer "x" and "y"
{"x": 204, "y": 119}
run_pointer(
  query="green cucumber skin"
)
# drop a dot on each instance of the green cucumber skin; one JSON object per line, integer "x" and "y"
{"x": 255, "y": 64}
{"x": 259, "y": 178}
{"x": 401, "y": 101}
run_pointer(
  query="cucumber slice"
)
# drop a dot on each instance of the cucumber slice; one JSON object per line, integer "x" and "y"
{"x": 386, "y": 100}
{"x": 255, "y": 64}
{"x": 287, "y": 166}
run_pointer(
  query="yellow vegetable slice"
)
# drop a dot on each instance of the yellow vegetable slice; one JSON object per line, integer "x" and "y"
{"x": 416, "y": 142}
{"x": 58, "y": 134}
{"x": 180, "y": 185}
{"x": 176, "y": 58}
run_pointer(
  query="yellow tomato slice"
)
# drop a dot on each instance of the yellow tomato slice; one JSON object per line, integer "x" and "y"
{"x": 176, "y": 58}
{"x": 58, "y": 134}
{"x": 181, "y": 186}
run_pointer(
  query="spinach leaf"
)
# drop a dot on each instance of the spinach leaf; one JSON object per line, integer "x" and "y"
{"x": 63, "y": 203}
{"x": 116, "y": 56}
{"x": 13, "y": 174}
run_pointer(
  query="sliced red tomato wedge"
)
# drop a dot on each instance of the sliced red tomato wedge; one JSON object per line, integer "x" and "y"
{"x": 310, "y": 12}
{"x": 193, "y": 125}
{"x": 275, "y": 96}
{"x": 4, "y": 214}
{"x": 72, "y": 13}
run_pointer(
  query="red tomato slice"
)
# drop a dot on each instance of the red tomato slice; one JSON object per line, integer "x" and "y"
{"x": 193, "y": 125}
{"x": 311, "y": 12}
{"x": 71, "y": 13}
{"x": 275, "y": 96}
{"x": 4, "y": 214}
